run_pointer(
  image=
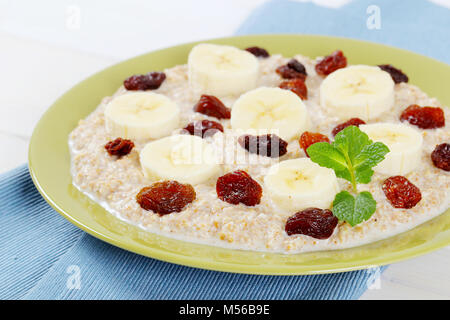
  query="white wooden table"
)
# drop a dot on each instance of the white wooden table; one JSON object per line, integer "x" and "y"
{"x": 48, "y": 46}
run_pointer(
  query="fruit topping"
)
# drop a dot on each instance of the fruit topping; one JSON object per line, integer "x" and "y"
{"x": 166, "y": 197}
{"x": 238, "y": 187}
{"x": 119, "y": 147}
{"x": 203, "y": 128}
{"x": 401, "y": 193}
{"x": 309, "y": 138}
{"x": 297, "y": 86}
{"x": 313, "y": 222}
{"x": 213, "y": 107}
{"x": 296, "y": 65}
{"x": 424, "y": 117}
{"x": 331, "y": 63}
{"x": 269, "y": 145}
{"x": 292, "y": 70}
{"x": 441, "y": 156}
{"x": 352, "y": 122}
{"x": 149, "y": 81}
{"x": 222, "y": 70}
{"x": 358, "y": 91}
{"x": 396, "y": 74}
{"x": 270, "y": 110}
{"x": 258, "y": 52}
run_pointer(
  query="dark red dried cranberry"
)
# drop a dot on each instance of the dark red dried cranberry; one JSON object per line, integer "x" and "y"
{"x": 441, "y": 156}
{"x": 213, "y": 107}
{"x": 269, "y": 145}
{"x": 352, "y": 122}
{"x": 292, "y": 70}
{"x": 331, "y": 63}
{"x": 297, "y": 86}
{"x": 166, "y": 197}
{"x": 203, "y": 128}
{"x": 238, "y": 187}
{"x": 313, "y": 222}
{"x": 258, "y": 52}
{"x": 119, "y": 147}
{"x": 396, "y": 74}
{"x": 149, "y": 81}
{"x": 424, "y": 117}
{"x": 401, "y": 193}
{"x": 309, "y": 138}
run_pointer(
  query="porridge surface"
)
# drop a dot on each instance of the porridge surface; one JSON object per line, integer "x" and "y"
{"x": 114, "y": 182}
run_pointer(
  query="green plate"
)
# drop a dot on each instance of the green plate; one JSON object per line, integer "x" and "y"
{"x": 49, "y": 163}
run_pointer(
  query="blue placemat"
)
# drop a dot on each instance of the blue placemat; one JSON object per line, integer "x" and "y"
{"x": 43, "y": 256}
{"x": 417, "y": 25}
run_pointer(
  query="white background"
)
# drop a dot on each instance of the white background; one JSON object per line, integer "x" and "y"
{"x": 48, "y": 46}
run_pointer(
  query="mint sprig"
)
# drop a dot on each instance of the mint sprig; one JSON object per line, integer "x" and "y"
{"x": 352, "y": 209}
{"x": 352, "y": 155}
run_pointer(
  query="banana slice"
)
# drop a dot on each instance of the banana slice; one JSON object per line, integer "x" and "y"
{"x": 357, "y": 91}
{"x": 142, "y": 115}
{"x": 184, "y": 158}
{"x": 271, "y": 110}
{"x": 404, "y": 143}
{"x": 297, "y": 184}
{"x": 221, "y": 70}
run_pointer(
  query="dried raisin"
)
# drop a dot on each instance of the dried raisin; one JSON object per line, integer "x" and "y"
{"x": 258, "y": 52}
{"x": 297, "y": 86}
{"x": 292, "y": 70}
{"x": 268, "y": 145}
{"x": 313, "y": 222}
{"x": 166, "y": 197}
{"x": 396, "y": 74}
{"x": 213, "y": 107}
{"x": 424, "y": 117}
{"x": 331, "y": 63}
{"x": 352, "y": 122}
{"x": 119, "y": 147}
{"x": 441, "y": 156}
{"x": 149, "y": 81}
{"x": 203, "y": 128}
{"x": 296, "y": 65}
{"x": 401, "y": 193}
{"x": 309, "y": 138}
{"x": 238, "y": 187}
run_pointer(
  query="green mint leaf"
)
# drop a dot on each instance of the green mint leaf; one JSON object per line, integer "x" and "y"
{"x": 325, "y": 155}
{"x": 369, "y": 157}
{"x": 351, "y": 141}
{"x": 354, "y": 210}
{"x": 363, "y": 175}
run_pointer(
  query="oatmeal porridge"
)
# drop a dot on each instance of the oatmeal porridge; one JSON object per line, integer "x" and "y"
{"x": 215, "y": 152}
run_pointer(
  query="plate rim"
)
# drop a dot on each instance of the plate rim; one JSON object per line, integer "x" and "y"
{"x": 218, "y": 265}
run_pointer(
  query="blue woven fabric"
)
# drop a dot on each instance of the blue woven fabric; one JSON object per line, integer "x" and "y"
{"x": 417, "y": 25}
{"x": 43, "y": 256}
